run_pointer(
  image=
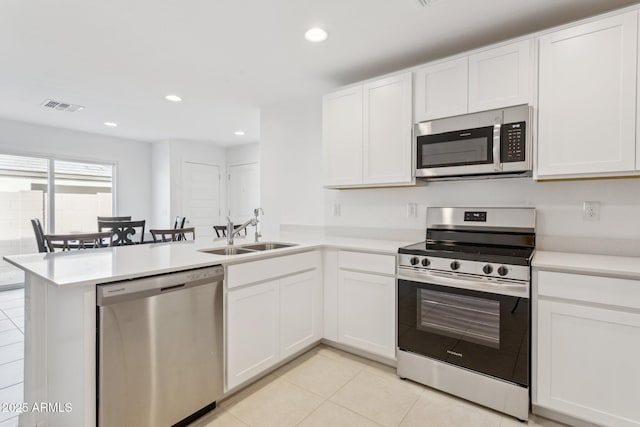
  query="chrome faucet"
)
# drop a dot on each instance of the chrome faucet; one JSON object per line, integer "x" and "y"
{"x": 256, "y": 213}
{"x": 231, "y": 232}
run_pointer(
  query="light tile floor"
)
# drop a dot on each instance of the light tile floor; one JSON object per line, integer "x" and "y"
{"x": 11, "y": 353}
{"x": 326, "y": 387}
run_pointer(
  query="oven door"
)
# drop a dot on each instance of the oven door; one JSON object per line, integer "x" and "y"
{"x": 482, "y": 331}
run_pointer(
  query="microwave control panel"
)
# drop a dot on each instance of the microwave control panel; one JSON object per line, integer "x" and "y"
{"x": 513, "y": 142}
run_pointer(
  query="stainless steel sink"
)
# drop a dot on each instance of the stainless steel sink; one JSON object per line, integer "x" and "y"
{"x": 267, "y": 246}
{"x": 228, "y": 250}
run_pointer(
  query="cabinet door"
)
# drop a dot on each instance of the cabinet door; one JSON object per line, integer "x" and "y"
{"x": 366, "y": 312}
{"x": 342, "y": 137}
{"x": 441, "y": 90}
{"x": 500, "y": 77}
{"x": 300, "y": 315}
{"x": 387, "y": 131}
{"x": 252, "y": 331}
{"x": 587, "y": 98}
{"x": 588, "y": 362}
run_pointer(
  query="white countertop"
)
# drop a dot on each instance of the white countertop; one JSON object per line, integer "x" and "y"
{"x": 601, "y": 265}
{"x": 93, "y": 266}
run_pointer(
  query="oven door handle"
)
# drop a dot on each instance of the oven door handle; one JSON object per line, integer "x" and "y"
{"x": 517, "y": 290}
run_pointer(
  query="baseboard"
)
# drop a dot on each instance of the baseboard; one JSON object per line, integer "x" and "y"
{"x": 561, "y": 417}
{"x": 371, "y": 356}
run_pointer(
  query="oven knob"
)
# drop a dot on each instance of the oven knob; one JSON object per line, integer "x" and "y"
{"x": 426, "y": 262}
{"x": 414, "y": 260}
{"x": 487, "y": 269}
{"x": 502, "y": 270}
{"x": 455, "y": 265}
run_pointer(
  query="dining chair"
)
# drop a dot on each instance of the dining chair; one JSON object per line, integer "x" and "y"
{"x": 124, "y": 232}
{"x": 221, "y": 230}
{"x": 66, "y": 242}
{"x": 112, "y": 218}
{"x": 173, "y": 235}
{"x": 40, "y": 240}
{"x": 179, "y": 222}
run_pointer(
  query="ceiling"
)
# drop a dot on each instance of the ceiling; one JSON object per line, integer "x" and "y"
{"x": 226, "y": 58}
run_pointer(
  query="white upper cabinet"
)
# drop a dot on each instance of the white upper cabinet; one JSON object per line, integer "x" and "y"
{"x": 367, "y": 136}
{"x": 500, "y": 77}
{"x": 491, "y": 79}
{"x": 387, "y": 130}
{"x": 441, "y": 90}
{"x": 342, "y": 137}
{"x": 587, "y": 99}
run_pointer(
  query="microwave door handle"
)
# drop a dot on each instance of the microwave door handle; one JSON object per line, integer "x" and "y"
{"x": 497, "y": 163}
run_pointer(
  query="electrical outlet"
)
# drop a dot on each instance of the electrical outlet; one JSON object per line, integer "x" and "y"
{"x": 412, "y": 210}
{"x": 591, "y": 211}
{"x": 336, "y": 209}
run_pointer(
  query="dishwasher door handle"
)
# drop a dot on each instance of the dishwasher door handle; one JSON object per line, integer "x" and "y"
{"x": 170, "y": 288}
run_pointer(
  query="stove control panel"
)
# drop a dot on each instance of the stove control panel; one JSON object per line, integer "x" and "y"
{"x": 452, "y": 266}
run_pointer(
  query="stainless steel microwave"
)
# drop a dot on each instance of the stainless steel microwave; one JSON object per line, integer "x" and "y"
{"x": 494, "y": 143}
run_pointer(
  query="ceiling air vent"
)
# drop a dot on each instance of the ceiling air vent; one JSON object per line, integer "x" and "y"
{"x": 62, "y": 106}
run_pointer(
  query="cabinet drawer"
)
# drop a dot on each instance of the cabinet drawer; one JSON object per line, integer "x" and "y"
{"x": 258, "y": 271}
{"x": 370, "y": 263}
{"x": 595, "y": 289}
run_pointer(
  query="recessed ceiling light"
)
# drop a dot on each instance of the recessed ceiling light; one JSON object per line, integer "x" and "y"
{"x": 173, "y": 98}
{"x": 239, "y": 133}
{"x": 111, "y": 124}
{"x": 316, "y": 35}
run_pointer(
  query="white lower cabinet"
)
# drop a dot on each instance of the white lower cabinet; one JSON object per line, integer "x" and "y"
{"x": 587, "y": 350}
{"x": 366, "y": 313}
{"x": 300, "y": 316}
{"x": 270, "y": 320}
{"x": 252, "y": 325}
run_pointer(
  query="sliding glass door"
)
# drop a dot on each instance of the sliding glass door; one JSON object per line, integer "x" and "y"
{"x": 81, "y": 192}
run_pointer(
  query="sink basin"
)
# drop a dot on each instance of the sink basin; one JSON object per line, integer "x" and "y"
{"x": 229, "y": 250}
{"x": 267, "y": 246}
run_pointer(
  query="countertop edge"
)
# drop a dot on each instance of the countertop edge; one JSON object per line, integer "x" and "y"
{"x": 589, "y": 264}
{"x": 301, "y": 246}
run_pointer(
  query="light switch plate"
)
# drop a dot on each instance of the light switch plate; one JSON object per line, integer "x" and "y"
{"x": 336, "y": 209}
{"x": 412, "y": 210}
{"x": 591, "y": 211}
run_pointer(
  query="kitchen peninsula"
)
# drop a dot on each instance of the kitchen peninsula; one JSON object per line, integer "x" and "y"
{"x": 60, "y": 307}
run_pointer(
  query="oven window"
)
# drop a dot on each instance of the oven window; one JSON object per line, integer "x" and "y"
{"x": 462, "y": 152}
{"x": 462, "y": 317}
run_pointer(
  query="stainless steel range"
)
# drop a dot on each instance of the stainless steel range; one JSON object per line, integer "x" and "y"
{"x": 464, "y": 306}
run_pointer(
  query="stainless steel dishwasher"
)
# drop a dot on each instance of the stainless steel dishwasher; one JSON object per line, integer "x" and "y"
{"x": 160, "y": 360}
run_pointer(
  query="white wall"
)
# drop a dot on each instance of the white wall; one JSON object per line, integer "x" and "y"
{"x": 243, "y": 154}
{"x": 291, "y": 163}
{"x": 132, "y": 158}
{"x": 558, "y": 204}
{"x": 161, "y": 185}
{"x": 168, "y": 158}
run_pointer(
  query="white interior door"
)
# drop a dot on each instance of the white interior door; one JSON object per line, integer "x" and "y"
{"x": 243, "y": 191}
{"x": 201, "y": 196}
